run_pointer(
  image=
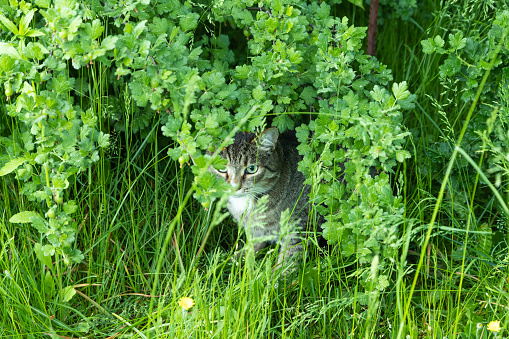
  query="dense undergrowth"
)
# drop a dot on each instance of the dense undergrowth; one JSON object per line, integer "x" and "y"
{"x": 110, "y": 216}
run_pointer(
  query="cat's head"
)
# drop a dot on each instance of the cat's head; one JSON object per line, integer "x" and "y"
{"x": 254, "y": 162}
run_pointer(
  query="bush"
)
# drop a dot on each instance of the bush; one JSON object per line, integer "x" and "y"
{"x": 466, "y": 58}
{"x": 75, "y": 72}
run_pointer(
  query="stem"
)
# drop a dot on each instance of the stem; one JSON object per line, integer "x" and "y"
{"x": 48, "y": 200}
{"x": 373, "y": 18}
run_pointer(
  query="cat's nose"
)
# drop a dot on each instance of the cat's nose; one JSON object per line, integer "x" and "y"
{"x": 235, "y": 182}
{"x": 235, "y": 185}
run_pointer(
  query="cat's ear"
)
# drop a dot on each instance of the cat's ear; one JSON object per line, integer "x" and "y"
{"x": 268, "y": 139}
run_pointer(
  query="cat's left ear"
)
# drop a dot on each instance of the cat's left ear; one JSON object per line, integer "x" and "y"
{"x": 268, "y": 139}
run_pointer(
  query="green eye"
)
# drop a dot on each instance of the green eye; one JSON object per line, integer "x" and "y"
{"x": 222, "y": 170}
{"x": 252, "y": 169}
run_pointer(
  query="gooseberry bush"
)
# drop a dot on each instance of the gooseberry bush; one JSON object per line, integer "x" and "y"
{"x": 466, "y": 56}
{"x": 200, "y": 70}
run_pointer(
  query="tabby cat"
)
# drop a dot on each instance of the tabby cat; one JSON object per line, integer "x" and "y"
{"x": 266, "y": 164}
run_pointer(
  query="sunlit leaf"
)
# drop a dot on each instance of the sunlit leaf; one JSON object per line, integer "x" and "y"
{"x": 11, "y": 166}
{"x": 23, "y": 217}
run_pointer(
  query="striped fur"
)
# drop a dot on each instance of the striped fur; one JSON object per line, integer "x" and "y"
{"x": 275, "y": 158}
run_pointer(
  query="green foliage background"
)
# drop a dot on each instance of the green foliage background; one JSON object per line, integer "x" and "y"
{"x": 300, "y": 64}
{"x": 93, "y": 89}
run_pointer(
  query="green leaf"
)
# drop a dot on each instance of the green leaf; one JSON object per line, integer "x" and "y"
{"x": 34, "y": 33}
{"x": 89, "y": 118}
{"x": 299, "y": 33}
{"x": 211, "y": 121}
{"x": 43, "y": 3}
{"x": 74, "y": 256}
{"x": 272, "y": 23}
{"x": 219, "y": 163}
{"x": 359, "y": 84}
{"x": 323, "y": 12}
{"x": 378, "y": 93}
{"x": 120, "y": 71}
{"x": 71, "y": 171}
{"x": 140, "y": 27}
{"x": 49, "y": 284}
{"x": 242, "y": 72}
{"x": 35, "y": 50}
{"x": 40, "y": 224}
{"x": 457, "y": 41}
{"x": 6, "y": 63}
{"x": 195, "y": 53}
{"x": 67, "y": 293}
{"x": 24, "y": 6}
{"x": 203, "y": 141}
{"x": 40, "y": 195}
{"x": 25, "y": 22}
{"x": 428, "y": 46}
{"x": 42, "y": 256}
{"x": 159, "y": 26}
{"x": 95, "y": 30}
{"x": 61, "y": 84}
{"x": 401, "y": 155}
{"x": 8, "y": 49}
{"x": 9, "y": 25}
{"x": 23, "y": 217}
{"x": 206, "y": 181}
{"x": 295, "y": 56}
{"x": 11, "y": 166}
{"x": 357, "y": 3}
{"x": 400, "y": 91}
{"x": 439, "y": 42}
{"x": 172, "y": 127}
{"x": 309, "y": 95}
{"x": 74, "y": 25}
{"x": 242, "y": 14}
{"x": 310, "y": 280}
{"x": 266, "y": 106}
{"x": 48, "y": 250}
{"x": 174, "y": 32}
{"x": 174, "y": 153}
{"x": 189, "y": 22}
{"x": 302, "y": 133}
{"x": 258, "y": 93}
{"x": 139, "y": 91}
{"x": 283, "y": 122}
{"x": 450, "y": 67}
{"x": 109, "y": 42}
{"x": 59, "y": 182}
{"x": 103, "y": 140}
{"x": 215, "y": 80}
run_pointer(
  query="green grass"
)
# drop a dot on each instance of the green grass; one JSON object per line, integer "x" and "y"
{"x": 131, "y": 197}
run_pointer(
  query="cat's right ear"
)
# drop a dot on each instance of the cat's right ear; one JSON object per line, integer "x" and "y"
{"x": 268, "y": 139}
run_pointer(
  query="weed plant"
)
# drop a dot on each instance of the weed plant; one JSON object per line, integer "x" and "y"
{"x": 146, "y": 242}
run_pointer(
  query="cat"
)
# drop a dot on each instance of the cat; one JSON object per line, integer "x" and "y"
{"x": 266, "y": 164}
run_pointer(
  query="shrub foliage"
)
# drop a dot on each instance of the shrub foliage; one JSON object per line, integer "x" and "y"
{"x": 73, "y": 72}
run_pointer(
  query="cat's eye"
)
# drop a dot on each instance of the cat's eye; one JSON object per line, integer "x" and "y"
{"x": 224, "y": 170}
{"x": 251, "y": 169}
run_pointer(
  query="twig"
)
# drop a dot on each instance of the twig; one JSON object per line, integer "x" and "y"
{"x": 373, "y": 17}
